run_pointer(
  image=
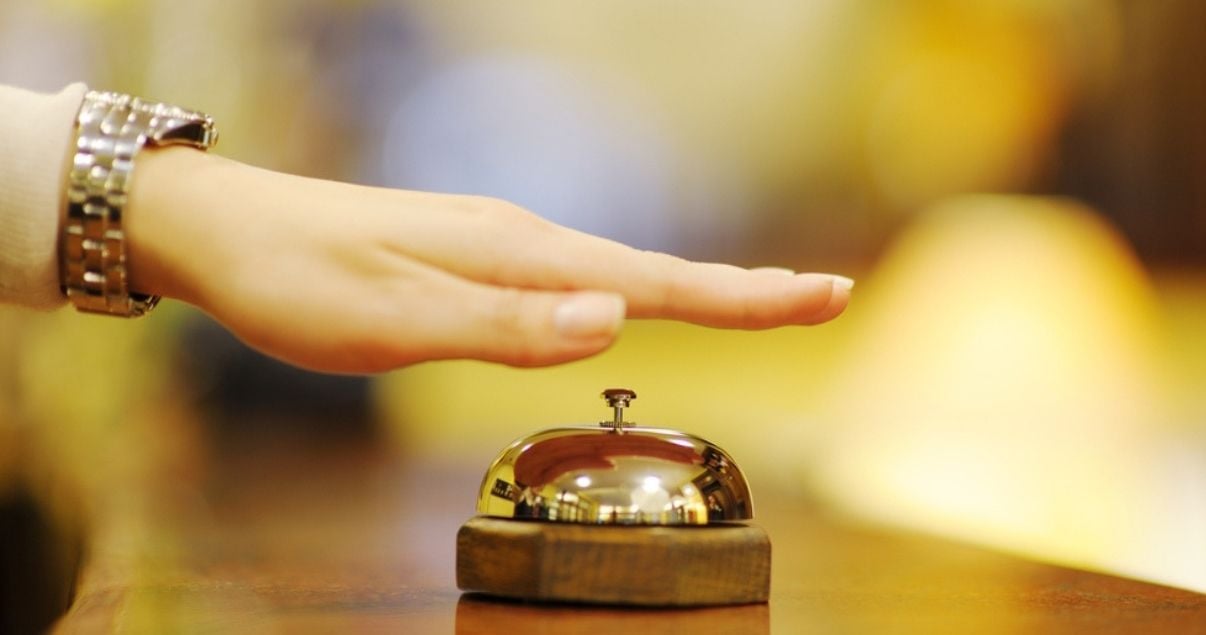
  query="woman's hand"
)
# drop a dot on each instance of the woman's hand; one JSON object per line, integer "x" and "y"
{"x": 345, "y": 278}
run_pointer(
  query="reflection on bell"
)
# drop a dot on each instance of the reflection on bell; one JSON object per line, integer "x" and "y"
{"x": 615, "y": 514}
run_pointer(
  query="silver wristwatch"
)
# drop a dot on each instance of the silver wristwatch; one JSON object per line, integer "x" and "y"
{"x": 110, "y": 131}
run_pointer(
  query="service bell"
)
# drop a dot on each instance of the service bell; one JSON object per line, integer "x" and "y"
{"x": 615, "y": 513}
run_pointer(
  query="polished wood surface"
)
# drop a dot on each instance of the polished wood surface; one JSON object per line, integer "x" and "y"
{"x": 351, "y": 539}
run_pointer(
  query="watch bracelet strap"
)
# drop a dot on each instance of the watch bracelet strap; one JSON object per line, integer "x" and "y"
{"x": 111, "y": 129}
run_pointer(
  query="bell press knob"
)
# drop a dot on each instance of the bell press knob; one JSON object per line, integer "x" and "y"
{"x": 618, "y": 399}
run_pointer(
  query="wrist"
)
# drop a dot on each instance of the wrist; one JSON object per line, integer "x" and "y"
{"x": 174, "y": 221}
{"x": 112, "y": 130}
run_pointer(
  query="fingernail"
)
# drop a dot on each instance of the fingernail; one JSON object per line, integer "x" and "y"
{"x": 589, "y": 315}
{"x": 843, "y": 282}
{"x": 781, "y": 271}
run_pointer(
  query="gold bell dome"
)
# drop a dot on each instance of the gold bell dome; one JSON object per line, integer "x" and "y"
{"x": 615, "y": 473}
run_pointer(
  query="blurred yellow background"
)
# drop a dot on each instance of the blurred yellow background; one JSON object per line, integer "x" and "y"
{"x": 1017, "y": 185}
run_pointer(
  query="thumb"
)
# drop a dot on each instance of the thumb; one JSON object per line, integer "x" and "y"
{"x": 528, "y": 327}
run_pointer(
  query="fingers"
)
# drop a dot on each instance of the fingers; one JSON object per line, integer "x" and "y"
{"x": 729, "y": 297}
{"x": 496, "y": 243}
{"x": 658, "y": 285}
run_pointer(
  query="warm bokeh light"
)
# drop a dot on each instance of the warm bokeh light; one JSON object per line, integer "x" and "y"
{"x": 958, "y": 102}
{"x": 1005, "y": 385}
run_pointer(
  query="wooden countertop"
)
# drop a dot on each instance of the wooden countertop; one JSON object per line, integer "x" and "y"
{"x": 348, "y": 539}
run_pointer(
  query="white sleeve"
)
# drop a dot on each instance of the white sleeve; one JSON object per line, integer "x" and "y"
{"x": 35, "y": 137}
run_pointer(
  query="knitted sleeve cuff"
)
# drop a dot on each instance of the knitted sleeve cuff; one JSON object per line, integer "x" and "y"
{"x": 35, "y": 137}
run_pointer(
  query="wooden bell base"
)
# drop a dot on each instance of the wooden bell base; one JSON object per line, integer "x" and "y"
{"x": 608, "y": 564}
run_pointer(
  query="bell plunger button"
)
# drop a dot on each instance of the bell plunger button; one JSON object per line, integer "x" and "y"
{"x": 618, "y": 399}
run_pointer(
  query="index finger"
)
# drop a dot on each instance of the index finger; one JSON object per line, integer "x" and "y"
{"x": 497, "y": 243}
{"x": 658, "y": 285}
